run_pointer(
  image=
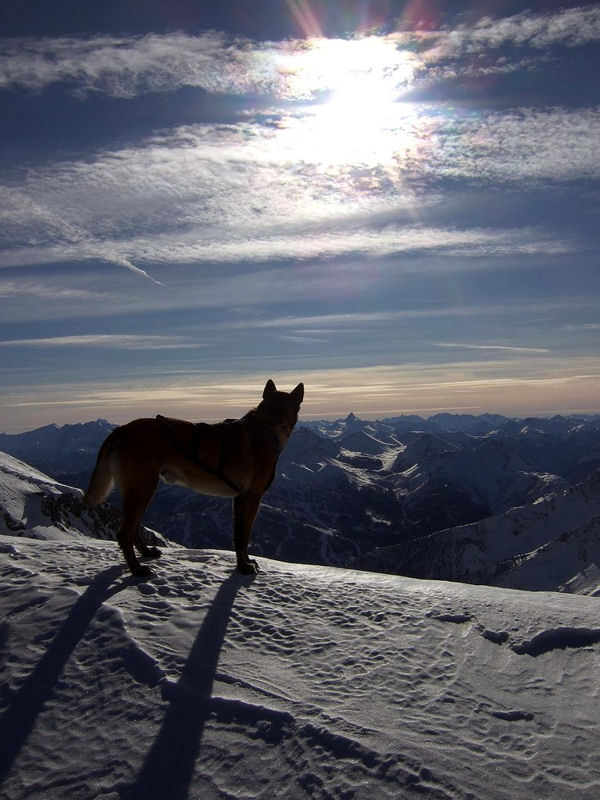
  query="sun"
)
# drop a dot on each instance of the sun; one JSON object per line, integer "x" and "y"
{"x": 359, "y": 116}
{"x": 359, "y": 123}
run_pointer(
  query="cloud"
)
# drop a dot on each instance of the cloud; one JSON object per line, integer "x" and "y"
{"x": 108, "y": 341}
{"x": 129, "y": 66}
{"x": 341, "y": 321}
{"x": 498, "y": 347}
{"x": 240, "y": 192}
{"x": 517, "y": 42}
{"x": 521, "y": 144}
{"x": 302, "y": 339}
{"x": 570, "y": 27}
{"x": 30, "y": 217}
{"x": 366, "y": 243}
{"x": 42, "y": 291}
{"x": 583, "y": 326}
{"x": 202, "y": 194}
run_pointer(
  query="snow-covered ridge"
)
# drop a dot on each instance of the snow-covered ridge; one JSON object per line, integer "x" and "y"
{"x": 302, "y": 682}
{"x": 34, "y": 505}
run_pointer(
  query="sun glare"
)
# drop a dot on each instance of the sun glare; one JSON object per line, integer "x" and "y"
{"x": 362, "y": 118}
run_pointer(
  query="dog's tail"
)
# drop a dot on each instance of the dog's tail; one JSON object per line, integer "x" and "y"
{"x": 102, "y": 480}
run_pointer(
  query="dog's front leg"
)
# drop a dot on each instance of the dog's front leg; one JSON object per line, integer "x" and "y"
{"x": 245, "y": 508}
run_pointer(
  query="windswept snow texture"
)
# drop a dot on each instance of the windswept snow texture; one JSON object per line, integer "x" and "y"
{"x": 304, "y": 682}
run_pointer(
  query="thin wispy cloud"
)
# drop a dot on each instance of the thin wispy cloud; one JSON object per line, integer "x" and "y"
{"x": 570, "y": 27}
{"x": 384, "y": 316}
{"x": 584, "y": 326}
{"x": 185, "y": 248}
{"x": 499, "y": 347}
{"x": 45, "y": 291}
{"x": 213, "y": 199}
{"x": 523, "y": 144}
{"x": 127, "y": 66}
{"x": 107, "y": 341}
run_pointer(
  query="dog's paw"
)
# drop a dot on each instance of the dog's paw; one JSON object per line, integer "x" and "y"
{"x": 141, "y": 571}
{"x": 250, "y": 567}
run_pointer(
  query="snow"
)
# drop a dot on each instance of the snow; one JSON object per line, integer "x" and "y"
{"x": 302, "y": 682}
{"x": 18, "y": 480}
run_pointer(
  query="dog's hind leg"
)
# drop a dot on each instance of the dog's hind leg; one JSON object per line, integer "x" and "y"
{"x": 135, "y": 501}
{"x": 245, "y": 509}
{"x": 146, "y": 551}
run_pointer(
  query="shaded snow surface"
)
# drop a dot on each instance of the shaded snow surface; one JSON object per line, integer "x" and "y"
{"x": 301, "y": 682}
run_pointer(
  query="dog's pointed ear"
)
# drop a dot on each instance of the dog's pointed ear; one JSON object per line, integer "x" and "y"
{"x": 269, "y": 389}
{"x": 297, "y": 394}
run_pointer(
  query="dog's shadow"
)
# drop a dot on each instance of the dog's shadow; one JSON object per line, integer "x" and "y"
{"x": 168, "y": 768}
{"x": 28, "y": 701}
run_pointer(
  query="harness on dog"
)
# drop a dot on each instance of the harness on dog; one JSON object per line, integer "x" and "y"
{"x": 192, "y": 451}
{"x": 272, "y": 435}
{"x": 227, "y": 431}
{"x": 265, "y": 429}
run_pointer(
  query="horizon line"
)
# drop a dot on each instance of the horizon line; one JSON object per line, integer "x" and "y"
{"x": 332, "y": 417}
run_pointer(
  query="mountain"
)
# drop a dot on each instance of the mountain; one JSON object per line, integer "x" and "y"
{"x": 363, "y": 441}
{"x": 67, "y": 452}
{"x": 348, "y": 487}
{"x": 470, "y": 423}
{"x": 336, "y": 428}
{"x": 572, "y": 452}
{"x": 492, "y": 474}
{"x": 302, "y": 682}
{"x": 423, "y": 448}
{"x": 545, "y": 545}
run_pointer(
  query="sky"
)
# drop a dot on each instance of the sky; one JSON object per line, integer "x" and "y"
{"x": 396, "y": 203}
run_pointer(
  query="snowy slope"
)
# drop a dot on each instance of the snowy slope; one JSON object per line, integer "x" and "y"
{"x": 304, "y": 682}
{"x": 542, "y": 545}
{"x": 34, "y": 505}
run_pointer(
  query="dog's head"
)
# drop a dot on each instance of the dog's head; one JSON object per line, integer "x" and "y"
{"x": 282, "y": 406}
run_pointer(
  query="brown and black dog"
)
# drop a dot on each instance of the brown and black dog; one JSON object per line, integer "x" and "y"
{"x": 234, "y": 458}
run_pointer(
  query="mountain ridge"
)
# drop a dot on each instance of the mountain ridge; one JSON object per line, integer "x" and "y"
{"x": 347, "y": 490}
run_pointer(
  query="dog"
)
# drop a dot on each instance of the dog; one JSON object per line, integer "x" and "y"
{"x": 233, "y": 458}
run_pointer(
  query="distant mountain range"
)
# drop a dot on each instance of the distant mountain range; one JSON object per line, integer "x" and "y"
{"x": 485, "y": 499}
